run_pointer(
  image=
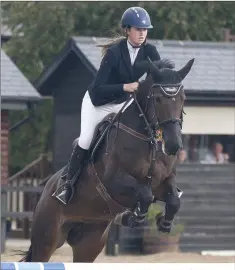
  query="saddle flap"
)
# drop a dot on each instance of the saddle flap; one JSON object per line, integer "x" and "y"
{"x": 100, "y": 131}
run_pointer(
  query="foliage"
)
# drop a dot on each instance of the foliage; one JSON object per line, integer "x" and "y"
{"x": 40, "y": 30}
{"x": 153, "y": 211}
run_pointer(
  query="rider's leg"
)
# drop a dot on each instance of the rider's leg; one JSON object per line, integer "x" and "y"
{"x": 65, "y": 170}
{"x": 90, "y": 117}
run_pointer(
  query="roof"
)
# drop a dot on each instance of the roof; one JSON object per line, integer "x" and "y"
{"x": 213, "y": 70}
{"x": 14, "y": 85}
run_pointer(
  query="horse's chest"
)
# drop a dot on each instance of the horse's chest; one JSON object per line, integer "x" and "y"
{"x": 160, "y": 172}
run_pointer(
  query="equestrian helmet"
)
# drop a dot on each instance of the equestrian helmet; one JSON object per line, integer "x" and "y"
{"x": 136, "y": 17}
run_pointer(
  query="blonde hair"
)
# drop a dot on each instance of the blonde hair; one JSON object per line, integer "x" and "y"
{"x": 117, "y": 38}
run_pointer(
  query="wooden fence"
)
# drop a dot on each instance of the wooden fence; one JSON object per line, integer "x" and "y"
{"x": 19, "y": 198}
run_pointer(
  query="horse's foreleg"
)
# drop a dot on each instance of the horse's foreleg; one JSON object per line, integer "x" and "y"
{"x": 172, "y": 200}
{"x": 145, "y": 199}
{"x": 137, "y": 216}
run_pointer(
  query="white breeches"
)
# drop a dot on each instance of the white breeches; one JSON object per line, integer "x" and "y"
{"x": 91, "y": 116}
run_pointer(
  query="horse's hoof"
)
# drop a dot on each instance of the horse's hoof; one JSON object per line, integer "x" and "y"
{"x": 127, "y": 220}
{"x": 135, "y": 221}
{"x": 163, "y": 226}
{"x": 122, "y": 218}
{"x": 131, "y": 222}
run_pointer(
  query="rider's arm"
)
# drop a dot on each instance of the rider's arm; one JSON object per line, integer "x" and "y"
{"x": 101, "y": 92}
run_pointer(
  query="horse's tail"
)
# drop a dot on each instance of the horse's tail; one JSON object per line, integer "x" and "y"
{"x": 27, "y": 255}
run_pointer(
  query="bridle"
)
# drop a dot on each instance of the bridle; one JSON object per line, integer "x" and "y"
{"x": 169, "y": 91}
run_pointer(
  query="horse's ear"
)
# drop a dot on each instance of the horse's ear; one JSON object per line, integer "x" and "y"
{"x": 151, "y": 64}
{"x": 153, "y": 68}
{"x": 183, "y": 72}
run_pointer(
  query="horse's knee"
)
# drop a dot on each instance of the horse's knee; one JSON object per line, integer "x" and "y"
{"x": 149, "y": 201}
{"x": 173, "y": 203}
{"x": 145, "y": 201}
{"x": 145, "y": 194}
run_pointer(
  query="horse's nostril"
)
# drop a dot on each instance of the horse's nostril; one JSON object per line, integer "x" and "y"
{"x": 172, "y": 149}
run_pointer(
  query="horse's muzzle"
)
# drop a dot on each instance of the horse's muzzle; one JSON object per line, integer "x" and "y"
{"x": 172, "y": 138}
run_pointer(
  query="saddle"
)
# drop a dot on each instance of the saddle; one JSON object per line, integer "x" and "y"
{"x": 100, "y": 132}
{"x": 98, "y": 137}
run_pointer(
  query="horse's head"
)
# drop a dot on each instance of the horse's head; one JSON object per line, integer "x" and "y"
{"x": 162, "y": 98}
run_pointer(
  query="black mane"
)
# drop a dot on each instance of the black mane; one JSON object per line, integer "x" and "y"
{"x": 164, "y": 72}
{"x": 164, "y": 63}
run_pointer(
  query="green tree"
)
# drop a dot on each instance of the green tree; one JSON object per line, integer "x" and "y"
{"x": 46, "y": 26}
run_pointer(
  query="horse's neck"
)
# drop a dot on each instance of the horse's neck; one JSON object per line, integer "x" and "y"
{"x": 130, "y": 117}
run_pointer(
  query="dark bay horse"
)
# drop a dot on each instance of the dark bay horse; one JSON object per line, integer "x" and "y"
{"x": 132, "y": 164}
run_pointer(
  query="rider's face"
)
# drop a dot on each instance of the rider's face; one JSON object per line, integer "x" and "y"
{"x": 137, "y": 36}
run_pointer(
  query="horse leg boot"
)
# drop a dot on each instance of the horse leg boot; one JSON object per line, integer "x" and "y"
{"x": 137, "y": 216}
{"x": 75, "y": 166}
{"x": 172, "y": 200}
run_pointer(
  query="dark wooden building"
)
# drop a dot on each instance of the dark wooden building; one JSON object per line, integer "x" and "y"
{"x": 66, "y": 81}
{"x": 209, "y": 87}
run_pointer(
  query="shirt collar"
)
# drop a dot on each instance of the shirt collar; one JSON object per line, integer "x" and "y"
{"x": 130, "y": 47}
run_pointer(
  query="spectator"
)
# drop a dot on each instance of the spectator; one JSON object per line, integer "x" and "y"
{"x": 193, "y": 152}
{"x": 216, "y": 155}
{"x": 182, "y": 156}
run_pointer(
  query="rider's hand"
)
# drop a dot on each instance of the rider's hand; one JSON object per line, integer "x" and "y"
{"x": 131, "y": 87}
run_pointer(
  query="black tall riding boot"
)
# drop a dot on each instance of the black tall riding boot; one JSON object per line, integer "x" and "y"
{"x": 75, "y": 165}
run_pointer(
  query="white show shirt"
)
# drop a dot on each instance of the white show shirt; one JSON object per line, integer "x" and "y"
{"x": 133, "y": 52}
